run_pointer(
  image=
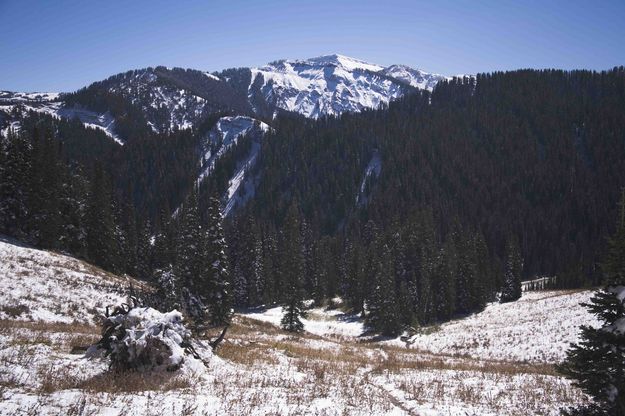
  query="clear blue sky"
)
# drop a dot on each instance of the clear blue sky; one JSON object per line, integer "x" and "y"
{"x": 61, "y": 45}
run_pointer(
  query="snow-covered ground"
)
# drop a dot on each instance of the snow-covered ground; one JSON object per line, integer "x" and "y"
{"x": 538, "y": 328}
{"x": 37, "y": 285}
{"x": 49, "y": 301}
{"x": 319, "y": 321}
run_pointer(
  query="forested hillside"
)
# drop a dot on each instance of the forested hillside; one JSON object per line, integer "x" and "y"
{"x": 413, "y": 213}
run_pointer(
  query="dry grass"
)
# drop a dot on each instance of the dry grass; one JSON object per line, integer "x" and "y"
{"x": 8, "y": 326}
{"x": 14, "y": 311}
{"x": 247, "y": 354}
{"x": 54, "y": 378}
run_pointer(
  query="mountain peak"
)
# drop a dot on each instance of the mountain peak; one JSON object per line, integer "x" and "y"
{"x": 346, "y": 62}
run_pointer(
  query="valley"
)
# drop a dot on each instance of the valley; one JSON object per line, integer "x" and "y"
{"x": 496, "y": 362}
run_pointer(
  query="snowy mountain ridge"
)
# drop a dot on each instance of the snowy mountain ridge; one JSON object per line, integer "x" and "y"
{"x": 334, "y": 84}
{"x": 176, "y": 98}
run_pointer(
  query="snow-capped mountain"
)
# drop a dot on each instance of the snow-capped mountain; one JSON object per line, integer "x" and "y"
{"x": 334, "y": 84}
{"x": 415, "y": 77}
{"x": 163, "y": 99}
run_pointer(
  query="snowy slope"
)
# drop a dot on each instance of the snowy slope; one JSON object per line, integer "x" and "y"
{"x": 334, "y": 84}
{"x": 538, "y": 328}
{"x": 38, "y": 285}
{"x": 165, "y": 106}
{"x": 51, "y": 104}
{"x": 9, "y": 97}
{"x": 225, "y": 134}
{"x": 415, "y": 77}
{"x": 372, "y": 172}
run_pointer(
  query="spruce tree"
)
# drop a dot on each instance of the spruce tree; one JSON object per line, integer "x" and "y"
{"x": 597, "y": 362}
{"x": 353, "y": 272}
{"x": 291, "y": 269}
{"x": 101, "y": 242}
{"x": 189, "y": 244}
{"x": 191, "y": 274}
{"x": 145, "y": 250}
{"x": 73, "y": 208}
{"x": 511, "y": 289}
{"x": 383, "y": 313}
{"x": 218, "y": 291}
{"x": 45, "y": 193}
{"x": 14, "y": 190}
{"x": 270, "y": 260}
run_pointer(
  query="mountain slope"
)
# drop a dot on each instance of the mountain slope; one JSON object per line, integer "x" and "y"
{"x": 39, "y": 285}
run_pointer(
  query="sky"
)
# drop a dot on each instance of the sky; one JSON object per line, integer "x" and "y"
{"x": 62, "y": 45}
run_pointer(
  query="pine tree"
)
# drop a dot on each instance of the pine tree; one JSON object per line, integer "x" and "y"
{"x": 444, "y": 285}
{"x": 597, "y": 362}
{"x": 218, "y": 291}
{"x": 145, "y": 250}
{"x": 353, "y": 272}
{"x": 14, "y": 192}
{"x": 73, "y": 208}
{"x": 271, "y": 275}
{"x": 189, "y": 245}
{"x": 190, "y": 275}
{"x": 291, "y": 269}
{"x": 511, "y": 289}
{"x": 45, "y": 193}
{"x": 383, "y": 314}
{"x": 101, "y": 242}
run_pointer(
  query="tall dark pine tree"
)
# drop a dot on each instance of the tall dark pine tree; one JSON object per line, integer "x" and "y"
{"x": 597, "y": 362}
{"x": 145, "y": 250}
{"x": 383, "y": 315}
{"x": 511, "y": 289}
{"x": 190, "y": 272}
{"x": 14, "y": 185}
{"x": 218, "y": 291}
{"x": 45, "y": 193}
{"x": 73, "y": 207}
{"x": 353, "y": 271}
{"x": 101, "y": 243}
{"x": 292, "y": 269}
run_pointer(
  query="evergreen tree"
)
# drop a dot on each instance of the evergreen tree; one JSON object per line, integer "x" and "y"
{"x": 101, "y": 242}
{"x": 383, "y": 313}
{"x": 145, "y": 250}
{"x": 73, "y": 208}
{"x": 190, "y": 261}
{"x": 597, "y": 362}
{"x": 218, "y": 290}
{"x": 271, "y": 275}
{"x": 45, "y": 192}
{"x": 190, "y": 275}
{"x": 511, "y": 289}
{"x": 291, "y": 269}
{"x": 14, "y": 192}
{"x": 353, "y": 272}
